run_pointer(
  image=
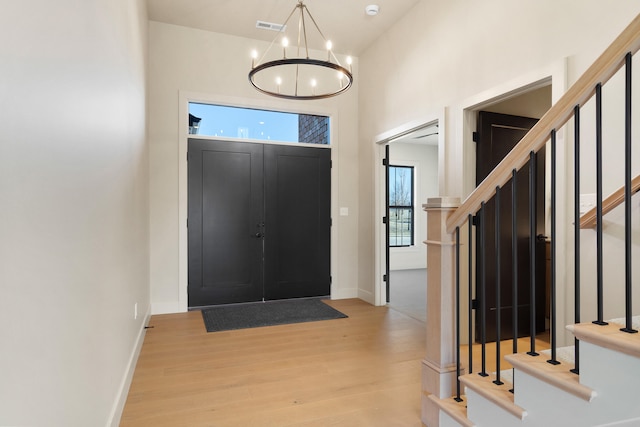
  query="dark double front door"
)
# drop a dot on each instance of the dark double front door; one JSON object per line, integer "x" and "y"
{"x": 259, "y": 222}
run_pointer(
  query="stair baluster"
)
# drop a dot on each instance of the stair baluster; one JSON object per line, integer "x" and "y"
{"x": 483, "y": 294}
{"x": 514, "y": 262}
{"x": 457, "y": 243}
{"x": 470, "y": 296}
{"x": 627, "y": 197}
{"x": 532, "y": 253}
{"x": 552, "y": 300}
{"x": 498, "y": 286}
{"x": 599, "y": 239}
{"x": 576, "y": 230}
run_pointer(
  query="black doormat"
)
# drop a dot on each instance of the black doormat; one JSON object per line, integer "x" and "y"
{"x": 242, "y": 316}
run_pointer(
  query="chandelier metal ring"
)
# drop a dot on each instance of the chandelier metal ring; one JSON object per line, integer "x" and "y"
{"x": 300, "y": 61}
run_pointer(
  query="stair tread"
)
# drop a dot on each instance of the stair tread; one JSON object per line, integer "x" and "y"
{"x": 563, "y": 354}
{"x": 635, "y": 321}
{"x": 608, "y": 336}
{"x": 456, "y": 410}
{"x": 556, "y": 375}
{"x": 498, "y": 394}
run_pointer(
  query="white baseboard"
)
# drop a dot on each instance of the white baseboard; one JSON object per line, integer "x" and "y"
{"x": 345, "y": 293}
{"x": 123, "y": 392}
{"x": 367, "y": 296}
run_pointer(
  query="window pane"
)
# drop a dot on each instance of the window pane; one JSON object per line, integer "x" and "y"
{"x": 247, "y": 123}
{"x": 401, "y": 226}
{"x": 401, "y": 210}
{"x": 400, "y": 186}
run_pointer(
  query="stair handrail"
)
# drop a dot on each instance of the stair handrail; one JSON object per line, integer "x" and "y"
{"x": 611, "y": 60}
{"x": 615, "y": 199}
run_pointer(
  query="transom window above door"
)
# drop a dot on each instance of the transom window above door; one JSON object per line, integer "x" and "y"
{"x": 254, "y": 124}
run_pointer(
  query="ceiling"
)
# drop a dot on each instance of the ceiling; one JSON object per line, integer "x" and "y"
{"x": 427, "y": 135}
{"x": 344, "y": 22}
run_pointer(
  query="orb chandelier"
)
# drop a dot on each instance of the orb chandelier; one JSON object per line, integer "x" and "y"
{"x": 291, "y": 73}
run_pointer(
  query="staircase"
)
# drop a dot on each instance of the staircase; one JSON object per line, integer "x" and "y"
{"x": 592, "y": 383}
{"x": 551, "y": 395}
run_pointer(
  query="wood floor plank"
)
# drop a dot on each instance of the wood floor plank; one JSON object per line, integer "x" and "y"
{"x": 360, "y": 371}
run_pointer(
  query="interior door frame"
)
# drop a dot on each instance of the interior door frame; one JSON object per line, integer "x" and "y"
{"x": 184, "y": 98}
{"x": 386, "y": 278}
{"x": 380, "y": 142}
{"x": 554, "y": 74}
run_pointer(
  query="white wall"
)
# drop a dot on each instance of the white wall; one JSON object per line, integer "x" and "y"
{"x": 441, "y": 54}
{"x": 74, "y": 215}
{"x": 425, "y": 160}
{"x": 186, "y": 63}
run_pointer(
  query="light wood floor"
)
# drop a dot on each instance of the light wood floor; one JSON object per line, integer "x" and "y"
{"x": 361, "y": 371}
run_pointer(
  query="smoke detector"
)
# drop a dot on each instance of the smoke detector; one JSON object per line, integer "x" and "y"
{"x": 372, "y": 9}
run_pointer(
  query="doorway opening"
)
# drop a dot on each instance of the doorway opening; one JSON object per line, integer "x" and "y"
{"x": 411, "y": 171}
{"x": 497, "y": 127}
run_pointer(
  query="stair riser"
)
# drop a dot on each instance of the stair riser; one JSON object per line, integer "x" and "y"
{"x": 484, "y": 413}
{"x": 551, "y": 406}
{"x": 447, "y": 421}
{"x": 604, "y": 369}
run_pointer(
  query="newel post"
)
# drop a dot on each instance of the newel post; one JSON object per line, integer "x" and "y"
{"x": 439, "y": 364}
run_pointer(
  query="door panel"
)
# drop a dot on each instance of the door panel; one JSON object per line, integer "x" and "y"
{"x": 498, "y": 134}
{"x": 297, "y": 221}
{"x": 225, "y": 213}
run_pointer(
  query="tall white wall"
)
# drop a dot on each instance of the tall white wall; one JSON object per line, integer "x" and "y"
{"x": 441, "y": 54}
{"x": 74, "y": 208}
{"x": 424, "y": 158}
{"x": 213, "y": 67}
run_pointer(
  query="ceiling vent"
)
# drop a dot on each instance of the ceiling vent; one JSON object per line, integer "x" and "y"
{"x": 270, "y": 26}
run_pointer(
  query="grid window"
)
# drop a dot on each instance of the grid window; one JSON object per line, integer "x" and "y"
{"x": 401, "y": 206}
